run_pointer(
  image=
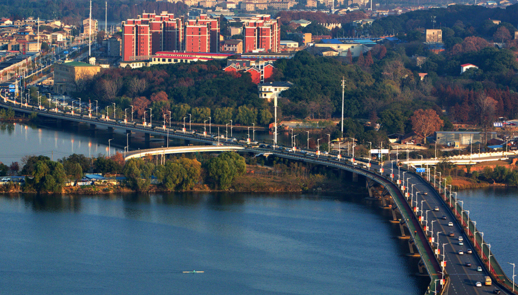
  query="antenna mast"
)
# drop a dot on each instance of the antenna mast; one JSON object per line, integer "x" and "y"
{"x": 106, "y": 19}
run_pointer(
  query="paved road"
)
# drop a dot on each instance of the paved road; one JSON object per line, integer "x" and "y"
{"x": 463, "y": 278}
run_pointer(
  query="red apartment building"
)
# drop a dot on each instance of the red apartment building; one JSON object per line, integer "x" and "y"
{"x": 262, "y": 33}
{"x": 151, "y": 33}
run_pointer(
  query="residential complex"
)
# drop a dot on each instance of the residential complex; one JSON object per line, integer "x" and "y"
{"x": 151, "y": 33}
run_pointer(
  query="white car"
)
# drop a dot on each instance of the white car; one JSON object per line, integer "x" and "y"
{"x": 461, "y": 252}
{"x": 478, "y": 284}
{"x": 450, "y": 224}
{"x": 479, "y": 268}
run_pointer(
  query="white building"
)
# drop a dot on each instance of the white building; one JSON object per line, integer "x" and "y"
{"x": 466, "y": 67}
{"x": 272, "y": 90}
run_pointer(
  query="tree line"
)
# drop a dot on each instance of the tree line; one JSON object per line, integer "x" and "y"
{"x": 178, "y": 174}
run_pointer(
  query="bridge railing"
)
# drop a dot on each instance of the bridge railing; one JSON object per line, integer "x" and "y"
{"x": 471, "y": 231}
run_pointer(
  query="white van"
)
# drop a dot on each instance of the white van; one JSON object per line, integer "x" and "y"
{"x": 460, "y": 239}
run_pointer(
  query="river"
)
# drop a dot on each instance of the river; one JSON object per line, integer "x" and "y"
{"x": 245, "y": 244}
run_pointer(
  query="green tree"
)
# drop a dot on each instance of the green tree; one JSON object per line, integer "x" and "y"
{"x": 246, "y": 116}
{"x": 223, "y": 169}
{"x": 265, "y": 117}
{"x": 106, "y": 165}
{"x": 222, "y": 115}
{"x": 48, "y": 177}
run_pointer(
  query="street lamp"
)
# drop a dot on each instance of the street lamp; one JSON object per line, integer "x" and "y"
{"x": 231, "y": 129}
{"x": 96, "y": 108}
{"x": 488, "y": 254}
{"x": 513, "y": 273}
{"x": 329, "y": 143}
{"x": 226, "y": 131}
{"x": 205, "y": 126}
{"x": 125, "y": 115}
{"x": 430, "y": 222}
{"x": 210, "y": 125}
{"x": 248, "y": 132}
{"x": 318, "y": 144}
{"x": 151, "y": 117}
{"x": 190, "y": 122}
{"x": 169, "y": 118}
{"x": 131, "y": 113}
{"x": 114, "y": 116}
{"x": 467, "y": 221}
{"x": 444, "y": 244}
{"x": 109, "y": 147}
{"x": 308, "y": 140}
{"x": 184, "y": 123}
{"x": 253, "y": 131}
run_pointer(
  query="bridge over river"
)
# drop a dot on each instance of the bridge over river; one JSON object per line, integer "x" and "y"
{"x": 422, "y": 208}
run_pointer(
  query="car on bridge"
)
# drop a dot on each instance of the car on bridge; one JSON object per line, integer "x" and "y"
{"x": 478, "y": 284}
{"x": 450, "y": 224}
{"x": 468, "y": 264}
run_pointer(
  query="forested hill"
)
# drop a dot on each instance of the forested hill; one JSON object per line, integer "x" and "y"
{"x": 72, "y": 11}
{"x": 474, "y": 18}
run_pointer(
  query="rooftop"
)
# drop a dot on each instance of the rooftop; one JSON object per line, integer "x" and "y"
{"x": 78, "y": 64}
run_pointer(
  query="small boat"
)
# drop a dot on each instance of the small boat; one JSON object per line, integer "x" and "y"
{"x": 193, "y": 271}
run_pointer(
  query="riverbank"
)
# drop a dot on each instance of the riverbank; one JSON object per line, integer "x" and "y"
{"x": 466, "y": 183}
{"x": 257, "y": 179}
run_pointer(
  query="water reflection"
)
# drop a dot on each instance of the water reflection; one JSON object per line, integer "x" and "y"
{"x": 52, "y": 203}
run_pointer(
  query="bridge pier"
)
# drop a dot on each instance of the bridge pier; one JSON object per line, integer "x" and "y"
{"x": 411, "y": 244}
{"x": 403, "y": 235}
{"x": 394, "y": 215}
{"x": 147, "y": 140}
{"x": 355, "y": 177}
{"x": 422, "y": 268}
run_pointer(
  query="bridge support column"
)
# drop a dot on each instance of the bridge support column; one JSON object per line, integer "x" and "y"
{"x": 411, "y": 244}
{"x": 394, "y": 215}
{"x": 355, "y": 177}
{"x": 403, "y": 234}
{"x": 147, "y": 139}
{"x": 422, "y": 268}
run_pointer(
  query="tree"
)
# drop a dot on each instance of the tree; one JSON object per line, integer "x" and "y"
{"x": 15, "y": 167}
{"x": 223, "y": 169}
{"x": 485, "y": 107}
{"x": 426, "y": 122}
{"x": 502, "y": 33}
{"x": 159, "y": 96}
{"x": 100, "y": 36}
{"x": 265, "y": 117}
{"x": 361, "y": 60}
{"x": 104, "y": 165}
{"x": 349, "y": 56}
{"x": 141, "y": 104}
{"x": 29, "y": 162}
{"x": 48, "y": 177}
{"x": 3, "y": 169}
{"x": 368, "y": 59}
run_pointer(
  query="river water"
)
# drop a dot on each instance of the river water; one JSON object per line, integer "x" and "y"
{"x": 245, "y": 243}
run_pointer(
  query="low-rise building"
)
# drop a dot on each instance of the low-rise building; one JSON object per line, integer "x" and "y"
{"x": 434, "y": 36}
{"x": 71, "y": 76}
{"x": 289, "y": 44}
{"x": 272, "y": 90}
{"x": 458, "y": 138}
{"x": 233, "y": 45}
{"x": 466, "y": 67}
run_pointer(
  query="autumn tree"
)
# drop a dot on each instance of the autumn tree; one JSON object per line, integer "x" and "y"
{"x": 502, "y": 34}
{"x": 368, "y": 59}
{"x": 426, "y": 122}
{"x": 141, "y": 104}
{"x": 159, "y": 96}
{"x": 349, "y": 56}
{"x": 361, "y": 60}
{"x": 485, "y": 107}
